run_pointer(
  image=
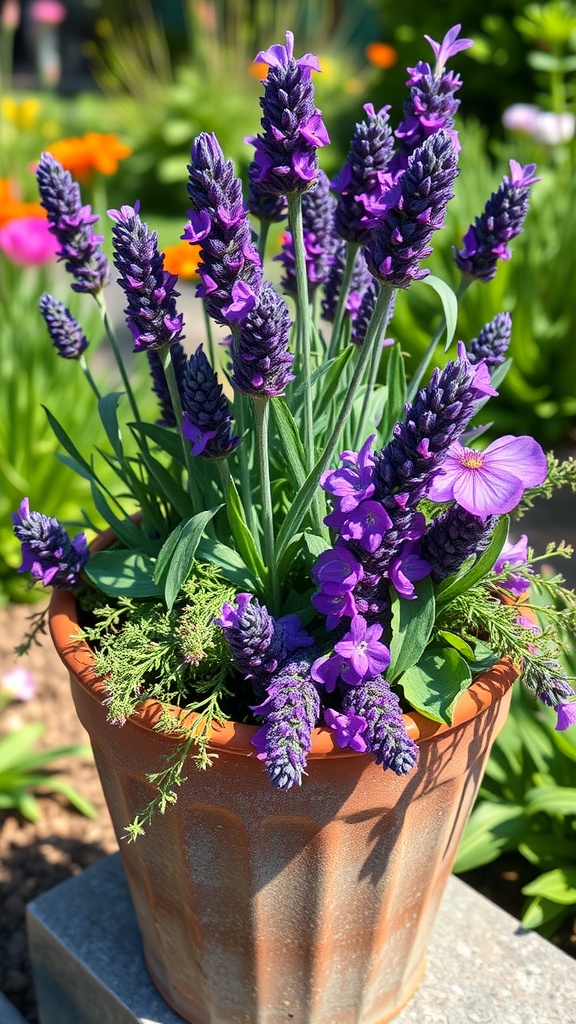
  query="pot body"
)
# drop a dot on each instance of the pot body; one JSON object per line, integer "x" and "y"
{"x": 313, "y": 906}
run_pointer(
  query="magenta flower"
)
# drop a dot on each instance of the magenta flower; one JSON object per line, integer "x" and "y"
{"x": 363, "y": 655}
{"x": 367, "y": 524}
{"x": 348, "y": 729}
{"x": 27, "y": 242}
{"x": 352, "y": 482}
{"x": 278, "y": 56}
{"x": 337, "y": 570}
{"x": 407, "y": 568}
{"x": 512, "y": 555}
{"x": 491, "y": 482}
{"x": 566, "y": 715}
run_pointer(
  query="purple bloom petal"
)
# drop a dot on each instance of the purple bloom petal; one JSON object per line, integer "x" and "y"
{"x": 407, "y": 568}
{"x": 367, "y": 524}
{"x": 348, "y": 729}
{"x": 449, "y": 46}
{"x": 364, "y": 656}
{"x": 566, "y": 715}
{"x": 493, "y": 481}
{"x": 243, "y": 300}
{"x": 326, "y": 670}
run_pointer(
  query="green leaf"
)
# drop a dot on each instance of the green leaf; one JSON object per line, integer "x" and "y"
{"x": 67, "y": 442}
{"x": 552, "y": 799}
{"x": 166, "y": 551}
{"x": 455, "y": 585}
{"x": 72, "y": 464}
{"x": 547, "y": 850}
{"x": 435, "y": 683}
{"x": 396, "y": 393}
{"x": 244, "y": 540}
{"x": 458, "y": 643}
{"x": 184, "y": 554}
{"x": 492, "y": 829}
{"x": 558, "y": 885}
{"x": 229, "y": 562}
{"x": 166, "y": 438}
{"x": 484, "y": 658}
{"x": 125, "y": 529}
{"x": 298, "y": 509}
{"x": 14, "y": 746}
{"x": 107, "y": 409}
{"x": 412, "y": 624}
{"x": 290, "y": 440}
{"x": 174, "y": 492}
{"x": 121, "y": 573}
{"x": 541, "y": 911}
{"x": 332, "y": 375}
{"x": 449, "y": 304}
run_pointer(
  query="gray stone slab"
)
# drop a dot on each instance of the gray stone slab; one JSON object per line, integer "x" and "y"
{"x": 483, "y": 968}
{"x": 8, "y": 1012}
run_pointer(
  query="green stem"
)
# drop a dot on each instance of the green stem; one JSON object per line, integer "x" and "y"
{"x": 351, "y": 253}
{"x": 302, "y": 331}
{"x": 262, "y": 415}
{"x": 427, "y": 357}
{"x": 372, "y": 378}
{"x": 240, "y": 408}
{"x": 263, "y": 238}
{"x": 89, "y": 377}
{"x": 117, "y": 354}
{"x": 210, "y": 339}
{"x": 165, "y": 354}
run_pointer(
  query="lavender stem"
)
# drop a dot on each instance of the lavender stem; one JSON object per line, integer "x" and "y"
{"x": 89, "y": 377}
{"x": 427, "y": 357}
{"x": 165, "y": 354}
{"x": 340, "y": 312}
{"x": 262, "y": 416}
{"x": 99, "y": 296}
{"x": 302, "y": 330}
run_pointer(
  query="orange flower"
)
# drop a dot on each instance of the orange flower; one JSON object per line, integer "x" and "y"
{"x": 89, "y": 153}
{"x": 12, "y": 207}
{"x": 258, "y": 70}
{"x": 182, "y": 259}
{"x": 381, "y": 55}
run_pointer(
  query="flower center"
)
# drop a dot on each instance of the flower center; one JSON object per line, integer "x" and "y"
{"x": 472, "y": 460}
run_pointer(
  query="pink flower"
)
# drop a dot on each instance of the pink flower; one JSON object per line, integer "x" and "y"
{"x": 491, "y": 482}
{"x": 19, "y": 683}
{"x": 566, "y": 715}
{"x": 27, "y": 242}
{"x": 10, "y": 15}
{"x": 48, "y": 12}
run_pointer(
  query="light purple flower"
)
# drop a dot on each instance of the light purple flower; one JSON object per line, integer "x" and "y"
{"x": 335, "y": 606}
{"x": 278, "y": 56}
{"x": 491, "y": 482}
{"x": 243, "y": 300}
{"x": 512, "y": 555}
{"x": 566, "y": 715}
{"x": 363, "y": 654}
{"x": 449, "y": 46}
{"x": 407, "y": 568}
{"x": 351, "y": 483}
{"x": 367, "y": 524}
{"x": 348, "y": 729}
{"x": 19, "y": 684}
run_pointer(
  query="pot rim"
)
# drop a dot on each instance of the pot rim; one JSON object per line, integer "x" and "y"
{"x": 79, "y": 659}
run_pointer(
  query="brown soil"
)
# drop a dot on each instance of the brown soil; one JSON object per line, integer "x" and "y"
{"x": 34, "y": 857}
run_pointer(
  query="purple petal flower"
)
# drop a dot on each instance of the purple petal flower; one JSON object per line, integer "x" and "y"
{"x": 337, "y": 570}
{"x": 453, "y": 537}
{"x": 367, "y": 524}
{"x": 335, "y": 606}
{"x": 365, "y": 657}
{"x": 66, "y": 334}
{"x": 566, "y": 715}
{"x": 326, "y": 670}
{"x": 449, "y": 46}
{"x": 493, "y": 481}
{"x": 277, "y": 56}
{"x": 262, "y": 361}
{"x": 352, "y": 483}
{"x": 47, "y": 551}
{"x": 243, "y": 300}
{"x": 407, "y": 568}
{"x": 348, "y": 729}
{"x": 492, "y": 342}
{"x": 546, "y": 679}
{"x": 361, "y": 178}
{"x": 206, "y": 414}
{"x": 510, "y": 556}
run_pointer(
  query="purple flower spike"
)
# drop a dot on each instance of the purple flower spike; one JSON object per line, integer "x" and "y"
{"x": 318, "y": 207}
{"x": 260, "y": 643}
{"x": 291, "y": 709}
{"x": 566, "y": 715}
{"x": 366, "y": 524}
{"x": 492, "y": 342}
{"x": 452, "y": 537}
{"x": 160, "y": 385}
{"x": 261, "y": 360}
{"x": 449, "y": 46}
{"x": 491, "y": 482}
{"x": 66, "y": 334}
{"x": 363, "y": 655}
{"x": 47, "y": 551}
{"x": 546, "y": 680}
{"x": 364, "y": 175}
{"x": 71, "y": 224}
{"x": 385, "y": 733}
{"x": 285, "y": 160}
{"x": 352, "y": 483}
{"x": 207, "y": 419}
{"x": 486, "y": 241}
{"x": 268, "y": 208}
{"x": 401, "y": 238}
{"x": 348, "y": 729}
{"x": 218, "y": 222}
{"x": 151, "y": 311}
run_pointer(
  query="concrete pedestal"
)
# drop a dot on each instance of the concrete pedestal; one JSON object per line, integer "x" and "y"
{"x": 483, "y": 968}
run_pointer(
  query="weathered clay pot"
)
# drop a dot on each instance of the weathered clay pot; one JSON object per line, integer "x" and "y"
{"x": 316, "y": 905}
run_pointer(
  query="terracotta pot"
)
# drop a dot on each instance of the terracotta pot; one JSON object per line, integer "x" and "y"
{"x": 316, "y": 905}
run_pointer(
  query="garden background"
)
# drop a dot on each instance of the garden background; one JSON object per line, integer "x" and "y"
{"x": 117, "y": 92}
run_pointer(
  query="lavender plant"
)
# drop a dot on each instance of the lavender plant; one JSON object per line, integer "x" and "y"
{"x": 316, "y": 549}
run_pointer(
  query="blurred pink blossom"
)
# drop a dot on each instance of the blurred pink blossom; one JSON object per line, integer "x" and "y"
{"x": 10, "y": 15}
{"x": 520, "y": 117}
{"x": 542, "y": 125}
{"x": 49, "y": 12}
{"x": 27, "y": 241}
{"x": 19, "y": 683}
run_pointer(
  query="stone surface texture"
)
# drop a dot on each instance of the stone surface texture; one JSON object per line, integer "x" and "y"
{"x": 483, "y": 968}
{"x": 8, "y": 1012}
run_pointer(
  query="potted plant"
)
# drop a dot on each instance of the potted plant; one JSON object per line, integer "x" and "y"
{"x": 306, "y": 588}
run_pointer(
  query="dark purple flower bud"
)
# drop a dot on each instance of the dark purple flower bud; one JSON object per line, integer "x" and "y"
{"x": 47, "y": 551}
{"x": 361, "y": 279}
{"x": 363, "y": 316}
{"x": 486, "y": 241}
{"x": 285, "y": 157}
{"x": 452, "y": 537}
{"x": 385, "y": 733}
{"x": 492, "y": 342}
{"x": 71, "y": 224}
{"x": 431, "y": 105}
{"x": 160, "y": 385}
{"x": 219, "y": 224}
{"x": 259, "y": 643}
{"x": 207, "y": 420}
{"x": 66, "y": 334}
{"x": 151, "y": 311}
{"x": 546, "y": 679}
{"x": 364, "y": 175}
{"x": 318, "y": 207}
{"x": 416, "y": 208}
{"x": 266, "y": 207}
{"x": 291, "y": 709}
{"x": 261, "y": 360}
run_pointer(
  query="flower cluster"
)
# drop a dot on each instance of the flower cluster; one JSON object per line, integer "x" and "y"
{"x": 47, "y": 551}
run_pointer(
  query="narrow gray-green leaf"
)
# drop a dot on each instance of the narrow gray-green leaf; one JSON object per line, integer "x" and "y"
{"x": 123, "y": 573}
{"x": 449, "y": 304}
{"x": 184, "y": 554}
{"x": 412, "y": 625}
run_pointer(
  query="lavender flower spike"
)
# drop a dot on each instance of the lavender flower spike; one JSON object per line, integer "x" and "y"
{"x": 486, "y": 241}
{"x": 385, "y": 733}
{"x": 452, "y": 537}
{"x": 291, "y": 708}
{"x": 151, "y": 312}
{"x": 207, "y": 420}
{"x": 230, "y": 268}
{"x": 47, "y": 551}
{"x": 285, "y": 154}
{"x": 364, "y": 175}
{"x": 71, "y": 224}
{"x": 66, "y": 334}
{"x": 262, "y": 361}
{"x": 318, "y": 208}
{"x": 414, "y": 209}
{"x": 492, "y": 342}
